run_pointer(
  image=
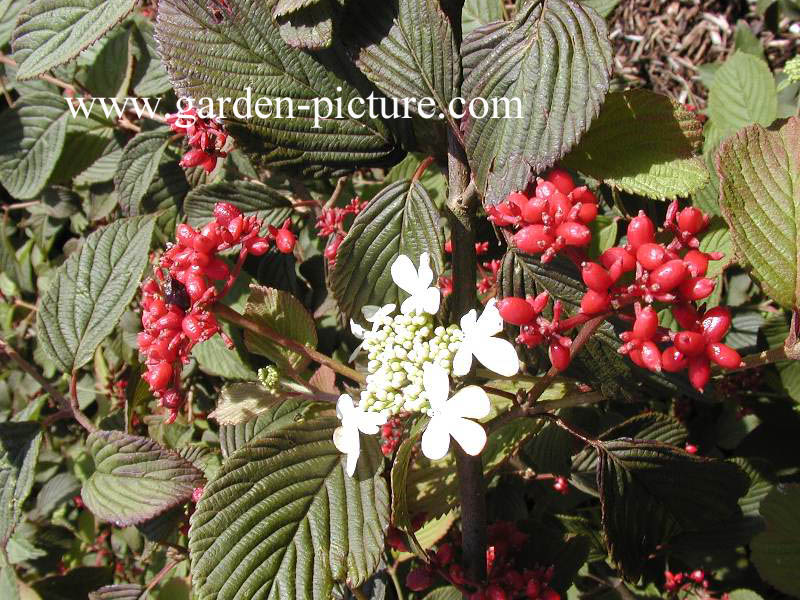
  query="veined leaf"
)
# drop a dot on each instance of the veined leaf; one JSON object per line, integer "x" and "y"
{"x": 18, "y": 456}
{"x": 9, "y": 9}
{"x": 285, "y": 314}
{"x": 555, "y": 62}
{"x": 209, "y": 59}
{"x": 138, "y": 167}
{"x": 308, "y": 28}
{"x": 233, "y": 437}
{"x": 283, "y": 520}
{"x": 650, "y": 492}
{"x": 655, "y": 141}
{"x": 32, "y": 134}
{"x": 149, "y": 76}
{"x": 242, "y": 402}
{"x": 407, "y": 48}
{"x": 477, "y": 13}
{"x": 135, "y": 479}
{"x": 401, "y": 219}
{"x": 91, "y": 290}
{"x": 480, "y": 42}
{"x": 603, "y": 7}
{"x": 286, "y": 7}
{"x": 124, "y": 591}
{"x": 742, "y": 93}
{"x": 52, "y": 32}
{"x": 252, "y": 198}
{"x": 759, "y": 172}
{"x": 776, "y": 551}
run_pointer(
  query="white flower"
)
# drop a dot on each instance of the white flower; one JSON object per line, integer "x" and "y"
{"x": 355, "y": 420}
{"x": 416, "y": 282}
{"x": 374, "y": 315}
{"x": 452, "y": 417}
{"x": 493, "y": 353}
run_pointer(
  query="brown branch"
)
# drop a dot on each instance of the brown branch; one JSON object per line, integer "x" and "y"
{"x": 81, "y": 418}
{"x": 8, "y": 350}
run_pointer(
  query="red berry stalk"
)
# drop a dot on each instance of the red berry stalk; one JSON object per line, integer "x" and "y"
{"x": 177, "y": 302}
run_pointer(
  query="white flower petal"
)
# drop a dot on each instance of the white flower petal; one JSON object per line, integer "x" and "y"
{"x": 436, "y": 439}
{"x": 431, "y": 298}
{"x": 355, "y": 352}
{"x": 370, "y": 422}
{"x": 344, "y": 407}
{"x": 437, "y": 385}
{"x": 346, "y": 440}
{"x": 357, "y": 330}
{"x": 490, "y": 322}
{"x": 462, "y": 361}
{"x": 470, "y": 402}
{"x": 404, "y": 274}
{"x": 409, "y": 305}
{"x": 497, "y": 355}
{"x": 469, "y": 322}
{"x": 385, "y": 311}
{"x": 424, "y": 274}
{"x": 352, "y": 461}
{"x": 369, "y": 311}
{"x": 470, "y": 435}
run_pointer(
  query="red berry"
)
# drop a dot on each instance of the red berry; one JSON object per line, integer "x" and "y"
{"x": 641, "y": 231}
{"x": 161, "y": 350}
{"x": 651, "y": 255}
{"x": 725, "y": 356}
{"x": 217, "y": 269}
{"x": 193, "y": 328}
{"x": 617, "y": 254}
{"x": 533, "y": 589}
{"x": 596, "y": 277}
{"x": 203, "y": 244}
{"x": 196, "y": 287}
{"x": 533, "y": 239}
{"x": 420, "y": 579}
{"x": 584, "y": 195}
{"x": 696, "y": 262}
{"x": 716, "y": 323}
{"x": 562, "y": 180}
{"x": 559, "y": 356}
{"x": 561, "y": 485}
{"x": 185, "y": 234}
{"x": 144, "y": 340}
{"x": 550, "y": 594}
{"x": 690, "y": 343}
{"x": 697, "y": 288}
{"x": 691, "y": 220}
{"x": 495, "y": 592}
{"x": 332, "y": 249}
{"x": 697, "y": 576}
{"x": 171, "y": 320}
{"x": 699, "y": 372}
{"x": 574, "y": 233}
{"x": 673, "y": 360}
{"x": 533, "y": 210}
{"x": 594, "y": 303}
{"x": 171, "y": 399}
{"x": 194, "y": 158}
{"x": 636, "y": 356}
{"x": 516, "y": 311}
{"x": 646, "y": 324}
{"x": 517, "y": 198}
{"x": 159, "y": 376}
{"x": 559, "y": 204}
{"x": 668, "y": 276}
{"x": 257, "y": 246}
{"x": 225, "y": 212}
{"x": 686, "y": 315}
{"x": 691, "y": 448}
{"x": 209, "y": 230}
{"x": 545, "y": 189}
{"x": 285, "y": 240}
{"x": 587, "y": 212}
{"x": 651, "y": 356}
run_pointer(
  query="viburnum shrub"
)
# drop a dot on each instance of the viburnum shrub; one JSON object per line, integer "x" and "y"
{"x": 393, "y": 300}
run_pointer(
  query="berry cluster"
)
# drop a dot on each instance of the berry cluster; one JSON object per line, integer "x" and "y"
{"x": 392, "y": 434}
{"x": 686, "y": 584}
{"x": 330, "y": 224}
{"x": 487, "y": 270}
{"x": 506, "y": 579}
{"x": 206, "y": 138}
{"x": 553, "y": 217}
{"x": 176, "y": 303}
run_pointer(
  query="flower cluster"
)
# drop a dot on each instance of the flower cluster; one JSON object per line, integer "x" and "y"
{"x": 554, "y": 217}
{"x": 176, "y": 303}
{"x": 206, "y": 138}
{"x": 410, "y": 360}
{"x": 330, "y": 224}
{"x": 506, "y": 579}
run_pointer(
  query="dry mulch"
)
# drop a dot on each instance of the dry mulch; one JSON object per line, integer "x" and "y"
{"x": 659, "y": 43}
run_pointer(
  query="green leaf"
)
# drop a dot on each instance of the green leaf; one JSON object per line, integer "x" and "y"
{"x": 138, "y": 167}
{"x": 285, "y": 314}
{"x": 603, "y": 7}
{"x": 445, "y": 593}
{"x": 654, "y": 140}
{"x": 9, "y": 9}
{"x": 91, "y": 290}
{"x": 124, "y": 591}
{"x": 286, "y": 7}
{"x": 20, "y": 451}
{"x": 480, "y": 12}
{"x": 401, "y": 219}
{"x": 110, "y": 73}
{"x": 556, "y": 61}
{"x": 242, "y": 402}
{"x": 650, "y": 492}
{"x": 233, "y": 437}
{"x": 759, "y": 172}
{"x": 52, "y": 32}
{"x": 776, "y": 551}
{"x": 745, "y": 40}
{"x": 252, "y": 198}
{"x": 408, "y": 50}
{"x": 215, "y": 358}
{"x": 32, "y": 134}
{"x": 149, "y": 77}
{"x": 209, "y": 59}
{"x": 308, "y": 28}
{"x": 283, "y": 520}
{"x": 742, "y": 93}
{"x": 135, "y": 479}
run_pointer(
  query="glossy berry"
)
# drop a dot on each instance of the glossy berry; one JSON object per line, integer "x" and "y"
{"x": 696, "y": 262}
{"x": 617, "y": 254}
{"x": 699, "y": 372}
{"x": 559, "y": 205}
{"x": 697, "y": 288}
{"x": 725, "y": 356}
{"x": 641, "y": 231}
{"x": 516, "y": 310}
{"x": 561, "y": 485}
{"x": 559, "y": 356}
{"x": 686, "y": 315}
{"x": 561, "y": 180}
{"x": 651, "y": 356}
{"x": 574, "y": 234}
{"x": 690, "y": 343}
{"x": 596, "y": 277}
{"x": 533, "y": 239}
{"x": 716, "y": 323}
{"x": 646, "y": 324}
{"x": 159, "y": 376}
{"x": 285, "y": 241}
{"x": 691, "y": 220}
{"x": 668, "y": 276}
{"x": 517, "y": 198}
{"x": 673, "y": 360}
{"x": 587, "y": 212}
{"x": 651, "y": 255}
{"x": 533, "y": 210}
{"x": 594, "y": 303}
